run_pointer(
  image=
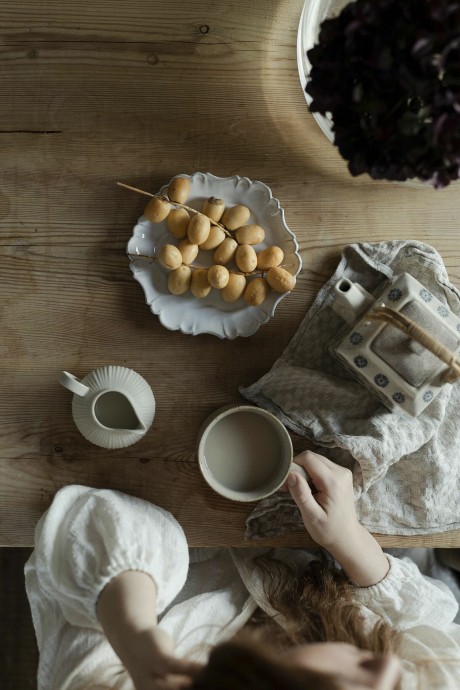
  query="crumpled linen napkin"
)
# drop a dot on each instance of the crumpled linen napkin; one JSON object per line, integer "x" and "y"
{"x": 406, "y": 469}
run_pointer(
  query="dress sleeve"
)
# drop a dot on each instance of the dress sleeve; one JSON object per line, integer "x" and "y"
{"x": 89, "y": 536}
{"x": 405, "y": 598}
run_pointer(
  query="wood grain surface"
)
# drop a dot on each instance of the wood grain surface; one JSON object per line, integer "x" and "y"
{"x": 95, "y": 92}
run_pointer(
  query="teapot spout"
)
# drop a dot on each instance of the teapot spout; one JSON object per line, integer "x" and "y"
{"x": 351, "y": 300}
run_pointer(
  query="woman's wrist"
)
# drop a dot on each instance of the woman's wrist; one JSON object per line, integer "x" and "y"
{"x": 361, "y": 558}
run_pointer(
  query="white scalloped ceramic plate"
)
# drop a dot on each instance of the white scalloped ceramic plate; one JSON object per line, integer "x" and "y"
{"x": 211, "y": 314}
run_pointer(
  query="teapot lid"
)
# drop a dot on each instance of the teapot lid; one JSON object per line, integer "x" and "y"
{"x": 413, "y": 361}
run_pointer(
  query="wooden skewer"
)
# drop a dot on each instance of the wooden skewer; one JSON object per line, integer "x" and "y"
{"x": 177, "y": 205}
{"x": 134, "y": 189}
{"x": 155, "y": 258}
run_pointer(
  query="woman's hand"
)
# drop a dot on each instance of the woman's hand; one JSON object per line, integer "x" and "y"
{"x": 152, "y": 665}
{"x": 326, "y": 503}
{"x": 127, "y": 612}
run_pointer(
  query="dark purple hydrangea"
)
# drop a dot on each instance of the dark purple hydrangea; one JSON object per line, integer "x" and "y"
{"x": 389, "y": 73}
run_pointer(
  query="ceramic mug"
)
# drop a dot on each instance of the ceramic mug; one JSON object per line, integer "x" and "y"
{"x": 245, "y": 453}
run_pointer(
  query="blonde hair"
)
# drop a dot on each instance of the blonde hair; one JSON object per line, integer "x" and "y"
{"x": 317, "y": 606}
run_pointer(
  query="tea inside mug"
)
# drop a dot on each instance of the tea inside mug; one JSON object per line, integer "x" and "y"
{"x": 243, "y": 451}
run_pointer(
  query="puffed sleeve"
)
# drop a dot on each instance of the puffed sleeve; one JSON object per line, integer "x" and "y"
{"x": 89, "y": 536}
{"x": 405, "y": 598}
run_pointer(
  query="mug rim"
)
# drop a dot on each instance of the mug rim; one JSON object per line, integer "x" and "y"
{"x": 232, "y": 494}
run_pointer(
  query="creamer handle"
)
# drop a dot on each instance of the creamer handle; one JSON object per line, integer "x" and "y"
{"x": 73, "y": 384}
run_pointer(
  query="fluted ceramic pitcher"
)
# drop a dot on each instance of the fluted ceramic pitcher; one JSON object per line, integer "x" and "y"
{"x": 113, "y": 407}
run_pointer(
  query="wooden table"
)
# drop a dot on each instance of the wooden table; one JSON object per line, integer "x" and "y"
{"x": 95, "y": 92}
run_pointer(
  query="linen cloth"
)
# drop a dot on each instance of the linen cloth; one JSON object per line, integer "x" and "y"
{"x": 89, "y": 536}
{"x": 406, "y": 470}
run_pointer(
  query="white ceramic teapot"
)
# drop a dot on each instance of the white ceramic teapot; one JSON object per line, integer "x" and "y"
{"x": 403, "y": 344}
{"x": 113, "y": 407}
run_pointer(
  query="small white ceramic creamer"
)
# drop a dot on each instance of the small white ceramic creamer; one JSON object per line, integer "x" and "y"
{"x": 113, "y": 407}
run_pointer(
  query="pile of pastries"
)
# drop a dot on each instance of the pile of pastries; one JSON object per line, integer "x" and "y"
{"x": 225, "y": 232}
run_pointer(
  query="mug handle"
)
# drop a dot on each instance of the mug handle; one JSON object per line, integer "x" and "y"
{"x": 300, "y": 470}
{"x": 73, "y": 384}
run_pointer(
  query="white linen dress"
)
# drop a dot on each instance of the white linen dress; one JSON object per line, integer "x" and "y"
{"x": 89, "y": 536}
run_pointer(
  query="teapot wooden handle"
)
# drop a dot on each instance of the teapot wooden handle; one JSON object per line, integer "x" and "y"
{"x": 417, "y": 333}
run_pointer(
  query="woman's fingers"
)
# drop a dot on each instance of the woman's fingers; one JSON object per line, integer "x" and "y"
{"x": 172, "y": 679}
{"x": 184, "y": 667}
{"x": 303, "y": 497}
{"x": 169, "y": 683}
{"x": 316, "y": 468}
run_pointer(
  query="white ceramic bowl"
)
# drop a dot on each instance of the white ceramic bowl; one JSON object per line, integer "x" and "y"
{"x": 211, "y": 314}
{"x": 313, "y": 13}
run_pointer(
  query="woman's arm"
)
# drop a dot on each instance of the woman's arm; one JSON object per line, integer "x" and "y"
{"x": 126, "y": 610}
{"x": 326, "y": 504}
{"x": 105, "y": 559}
{"x": 391, "y": 587}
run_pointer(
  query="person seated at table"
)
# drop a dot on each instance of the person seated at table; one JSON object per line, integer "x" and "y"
{"x": 119, "y": 602}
